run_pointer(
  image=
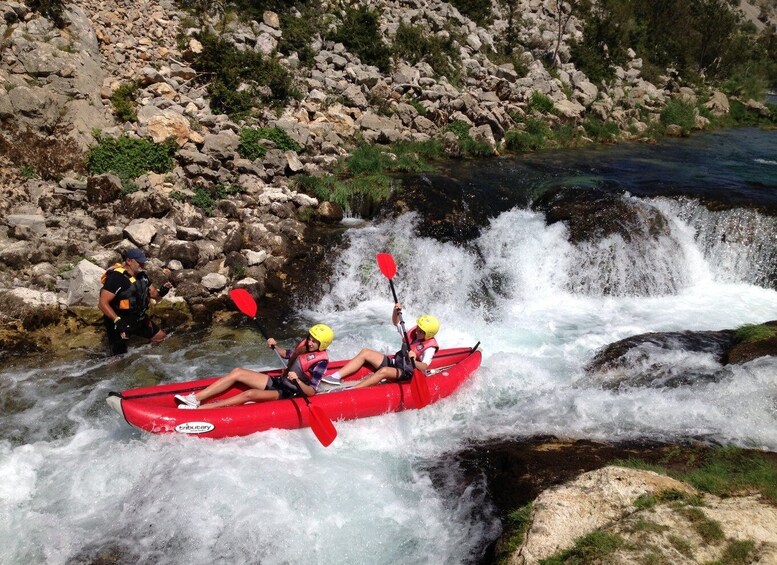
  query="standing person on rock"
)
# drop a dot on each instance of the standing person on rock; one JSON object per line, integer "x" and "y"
{"x": 124, "y": 300}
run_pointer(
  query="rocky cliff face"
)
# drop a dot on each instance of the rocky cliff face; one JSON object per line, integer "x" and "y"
{"x": 56, "y": 84}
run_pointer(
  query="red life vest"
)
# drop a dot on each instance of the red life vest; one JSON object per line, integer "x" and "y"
{"x": 306, "y": 360}
{"x": 419, "y": 346}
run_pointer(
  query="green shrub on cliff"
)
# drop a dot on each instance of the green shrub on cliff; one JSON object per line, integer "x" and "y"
{"x": 53, "y": 10}
{"x": 129, "y": 157}
{"x": 360, "y": 33}
{"x": 414, "y": 44}
{"x": 362, "y": 195}
{"x": 250, "y": 146}
{"x": 240, "y": 80}
{"x": 124, "y": 104}
{"x": 477, "y": 10}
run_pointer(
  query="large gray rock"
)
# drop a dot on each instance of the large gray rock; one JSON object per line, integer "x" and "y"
{"x": 187, "y": 252}
{"x": 85, "y": 285}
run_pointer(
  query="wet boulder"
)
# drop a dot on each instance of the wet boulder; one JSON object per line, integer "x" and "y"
{"x": 591, "y": 215}
{"x": 662, "y": 359}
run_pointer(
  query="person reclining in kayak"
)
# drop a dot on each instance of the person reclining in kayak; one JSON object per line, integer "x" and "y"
{"x": 307, "y": 364}
{"x": 400, "y": 367}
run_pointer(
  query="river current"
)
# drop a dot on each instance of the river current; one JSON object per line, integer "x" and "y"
{"x": 79, "y": 485}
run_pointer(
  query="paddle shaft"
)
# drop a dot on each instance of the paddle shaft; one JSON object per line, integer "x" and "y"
{"x": 401, "y": 320}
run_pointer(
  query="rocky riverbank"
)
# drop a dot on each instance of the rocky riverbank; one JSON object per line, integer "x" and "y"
{"x": 555, "y": 496}
{"x": 217, "y": 218}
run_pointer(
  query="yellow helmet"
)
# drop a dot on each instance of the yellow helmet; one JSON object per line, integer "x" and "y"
{"x": 429, "y": 324}
{"x": 323, "y": 334}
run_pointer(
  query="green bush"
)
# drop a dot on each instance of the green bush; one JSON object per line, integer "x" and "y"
{"x": 129, "y": 157}
{"x": 361, "y": 182}
{"x": 598, "y": 130}
{"x": 415, "y": 44}
{"x": 250, "y": 145}
{"x": 541, "y": 103}
{"x": 478, "y": 11}
{"x": 53, "y": 10}
{"x": 360, "y": 33}
{"x": 704, "y": 40}
{"x": 238, "y": 80}
{"x": 363, "y": 195}
{"x": 680, "y": 113}
{"x": 298, "y": 34}
{"x": 469, "y": 146}
{"x": 124, "y": 102}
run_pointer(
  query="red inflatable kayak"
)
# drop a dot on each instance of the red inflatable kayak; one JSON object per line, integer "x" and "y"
{"x": 154, "y": 410}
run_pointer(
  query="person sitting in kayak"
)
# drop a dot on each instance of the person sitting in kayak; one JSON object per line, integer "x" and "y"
{"x": 307, "y": 363}
{"x": 400, "y": 367}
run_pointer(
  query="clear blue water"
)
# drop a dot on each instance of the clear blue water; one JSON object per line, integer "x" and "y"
{"x": 79, "y": 484}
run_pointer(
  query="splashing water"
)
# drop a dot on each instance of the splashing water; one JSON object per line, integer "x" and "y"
{"x": 80, "y": 485}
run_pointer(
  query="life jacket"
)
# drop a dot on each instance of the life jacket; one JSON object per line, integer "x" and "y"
{"x": 419, "y": 346}
{"x": 131, "y": 300}
{"x": 306, "y": 360}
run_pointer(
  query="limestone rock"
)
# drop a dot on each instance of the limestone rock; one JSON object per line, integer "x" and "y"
{"x": 84, "y": 287}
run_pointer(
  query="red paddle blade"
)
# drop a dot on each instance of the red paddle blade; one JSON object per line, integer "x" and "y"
{"x": 386, "y": 264}
{"x": 244, "y": 301}
{"x": 420, "y": 388}
{"x": 322, "y": 426}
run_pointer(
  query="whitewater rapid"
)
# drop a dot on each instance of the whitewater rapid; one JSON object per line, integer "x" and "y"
{"x": 79, "y": 484}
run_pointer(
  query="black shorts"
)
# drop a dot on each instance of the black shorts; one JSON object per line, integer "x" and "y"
{"x": 404, "y": 375}
{"x": 145, "y": 328}
{"x": 277, "y": 384}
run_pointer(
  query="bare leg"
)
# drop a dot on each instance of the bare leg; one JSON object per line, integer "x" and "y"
{"x": 158, "y": 337}
{"x": 374, "y": 358}
{"x": 388, "y": 373}
{"x": 253, "y": 379}
{"x": 243, "y": 397}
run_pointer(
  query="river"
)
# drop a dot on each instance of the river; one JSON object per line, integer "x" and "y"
{"x": 80, "y": 486}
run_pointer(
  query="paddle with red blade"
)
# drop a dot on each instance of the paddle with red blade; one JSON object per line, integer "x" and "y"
{"x": 418, "y": 383}
{"x": 322, "y": 426}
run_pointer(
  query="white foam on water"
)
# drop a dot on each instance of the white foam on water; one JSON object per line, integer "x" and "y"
{"x": 78, "y": 481}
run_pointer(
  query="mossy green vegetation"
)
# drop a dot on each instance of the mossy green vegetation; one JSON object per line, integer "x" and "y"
{"x": 129, "y": 157}
{"x": 515, "y": 528}
{"x": 124, "y": 102}
{"x": 251, "y": 147}
{"x": 751, "y": 333}
{"x": 672, "y": 495}
{"x": 709, "y": 530}
{"x": 737, "y": 552}
{"x": 591, "y": 548}
{"x": 725, "y": 471}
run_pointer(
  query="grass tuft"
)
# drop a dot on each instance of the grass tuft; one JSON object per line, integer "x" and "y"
{"x": 751, "y": 333}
